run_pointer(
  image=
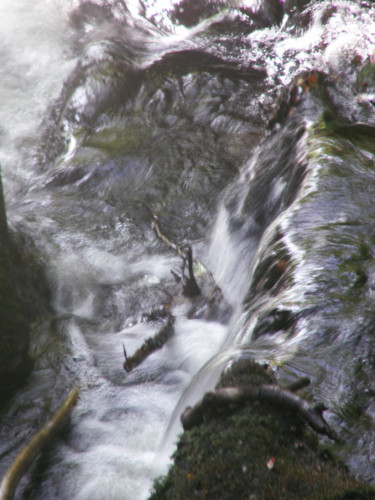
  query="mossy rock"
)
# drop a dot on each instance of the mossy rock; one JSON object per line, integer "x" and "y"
{"x": 366, "y": 76}
{"x": 254, "y": 452}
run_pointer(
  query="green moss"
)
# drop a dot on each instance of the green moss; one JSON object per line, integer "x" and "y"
{"x": 117, "y": 140}
{"x": 366, "y": 76}
{"x": 256, "y": 451}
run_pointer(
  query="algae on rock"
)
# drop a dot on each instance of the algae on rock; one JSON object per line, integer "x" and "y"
{"x": 257, "y": 451}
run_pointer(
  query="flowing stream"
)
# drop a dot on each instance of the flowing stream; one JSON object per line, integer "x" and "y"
{"x": 114, "y": 113}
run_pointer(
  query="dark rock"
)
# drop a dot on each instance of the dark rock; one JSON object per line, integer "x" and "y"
{"x": 190, "y": 12}
{"x": 21, "y": 289}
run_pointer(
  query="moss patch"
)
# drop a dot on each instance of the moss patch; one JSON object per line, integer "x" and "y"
{"x": 254, "y": 452}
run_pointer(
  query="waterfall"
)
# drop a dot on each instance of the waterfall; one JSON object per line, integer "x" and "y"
{"x": 115, "y": 115}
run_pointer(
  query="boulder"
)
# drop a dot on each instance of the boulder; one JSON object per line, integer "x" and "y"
{"x": 19, "y": 303}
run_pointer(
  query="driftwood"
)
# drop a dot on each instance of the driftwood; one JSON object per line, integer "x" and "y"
{"x": 271, "y": 394}
{"x": 34, "y": 446}
{"x": 149, "y": 346}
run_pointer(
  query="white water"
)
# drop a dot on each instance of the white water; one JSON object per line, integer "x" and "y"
{"x": 34, "y": 63}
{"x": 120, "y": 419}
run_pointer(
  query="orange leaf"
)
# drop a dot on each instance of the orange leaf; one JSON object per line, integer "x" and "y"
{"x": 313, "y": 79}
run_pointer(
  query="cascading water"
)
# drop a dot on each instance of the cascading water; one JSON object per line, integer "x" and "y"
{"x": 143, "y": 119}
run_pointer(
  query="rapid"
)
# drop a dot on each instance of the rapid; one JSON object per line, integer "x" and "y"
{"x": 116, "y": 114}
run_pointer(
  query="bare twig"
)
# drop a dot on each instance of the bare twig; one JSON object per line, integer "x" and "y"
{"x": 156, "y": 226}
{"x": 181, "y": 250}
{"x": 34, "y": 446}
{"x": 190, "y": 288}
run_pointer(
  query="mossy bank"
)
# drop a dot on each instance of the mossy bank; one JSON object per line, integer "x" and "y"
{"x": 258, "y": 452}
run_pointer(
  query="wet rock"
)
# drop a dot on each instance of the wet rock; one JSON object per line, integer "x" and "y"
{"x": 313, "y": 275}
{"x": 89, "y": 12}
{"x": 23, "y": 295}
{"x": 189, "y": 12}
{"x": 275, "y": 321}
{"x": 14, "y": 334}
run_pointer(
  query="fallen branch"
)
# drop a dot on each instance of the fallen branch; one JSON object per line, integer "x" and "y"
{"x": 299, "y": 384}
{"x": 272, "y": 394}
{"x": 34, "y": 446}
{"x": 190, "y": 286}
{"x": 149, "y": 346}
{"x": 155, "y": 225}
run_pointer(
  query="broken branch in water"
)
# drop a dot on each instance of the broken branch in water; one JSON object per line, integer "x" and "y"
{"x": 190, "y": 287}
{"x": 149, "y": 346}
{"x": 272, "y": 394}
{"x": 155, "y": 225}
{"x": 25, "y": 457}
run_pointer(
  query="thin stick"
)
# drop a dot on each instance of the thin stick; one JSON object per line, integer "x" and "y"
{"x": 34, "y": 446}
{"x": 155, "y": 225}
{"x": 182, "y": 251}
